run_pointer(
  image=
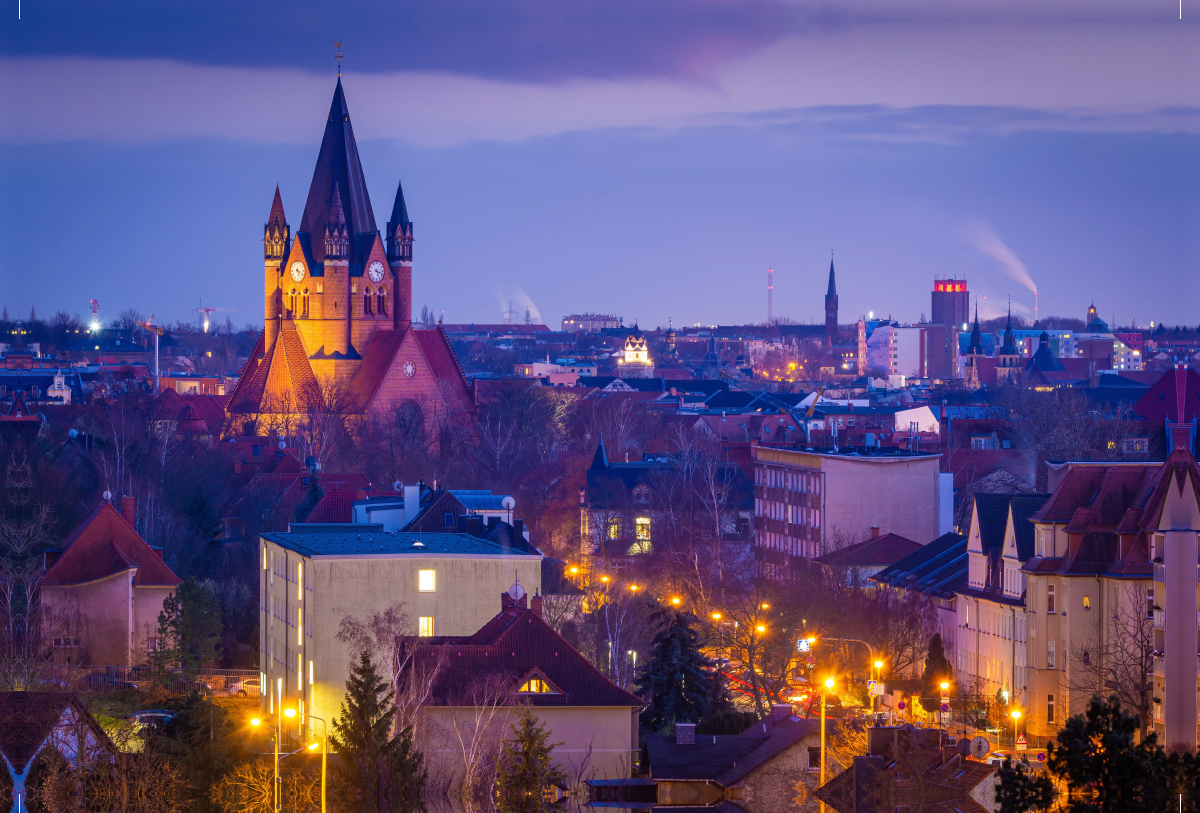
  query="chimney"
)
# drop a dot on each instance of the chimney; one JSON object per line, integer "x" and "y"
{"x": 685, "y": 733}
{"x": 874, "y": 531}
{"x": 128, "y": 508}
{"x": 518, "y": 531}
{"x": 535, "y": 604}
{"x": 780, "y": 711}
{"x": 412, "y": 503}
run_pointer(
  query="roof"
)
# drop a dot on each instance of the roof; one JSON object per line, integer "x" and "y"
{"x": 376, "y": 543}
{"x": 338, "y": 165}
{"x": 993, "y": 520}
{"x": 480, "y": 500}
{"x": 334, "y": 506}
{"x": 104, "y": 544}
{"x": 726, "y": 759}
{"x": 514, "y": 644}
{"x": 31, "y": 717}
{"x": 1176, "y": 392}
{"x": 884, "y": 550}
{"x": 1023, "y": 508}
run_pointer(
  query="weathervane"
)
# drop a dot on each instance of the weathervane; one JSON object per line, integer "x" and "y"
{"x": 339, "y": 58}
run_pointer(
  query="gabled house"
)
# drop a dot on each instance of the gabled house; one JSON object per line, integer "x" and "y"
{"x": 518, "y": 659}
{"x": 103, "y": 591}
{"x": 755, "y": 771}
{"x": 36, "y": 721}
{"x": 862, "y": 560}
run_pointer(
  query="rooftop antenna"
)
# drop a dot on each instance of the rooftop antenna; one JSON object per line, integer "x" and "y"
{"x": 339, "y": 58}
{"x": 770, "y": 296}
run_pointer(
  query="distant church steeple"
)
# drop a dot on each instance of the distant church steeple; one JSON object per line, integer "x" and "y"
{"x": 277, "y": 233}
{"x": 831, "y": 309}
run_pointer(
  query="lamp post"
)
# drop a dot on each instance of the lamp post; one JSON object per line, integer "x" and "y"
{"x": 829, "y": 683}
{"x": 945, "y": 686}
{"x": 1016, "y": 715}
{"x": 324, "y": 754}
{"x": 878, "y": 675}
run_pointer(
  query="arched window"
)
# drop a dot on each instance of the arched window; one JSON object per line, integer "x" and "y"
{"x": 381, "y": 302}
{"x": 304, "y": 303}
{"x": 367, "y": 301}
{"x": 292, "y": 301}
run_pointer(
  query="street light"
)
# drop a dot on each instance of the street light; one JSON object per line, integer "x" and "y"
{"x": 761, "y": 628}
{"x": 676, "y": 601}
{"x": 324, "y": 754}
{"x": 1016, "y": 715}
{"x": 829, "y": 684}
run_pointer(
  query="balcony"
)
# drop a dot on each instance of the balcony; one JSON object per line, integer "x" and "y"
{"x": 1158, "y": 619}
{"x": 1160, "y": 573}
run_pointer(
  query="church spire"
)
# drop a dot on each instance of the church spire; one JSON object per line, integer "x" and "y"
{"x": 976, "y": 347}
{"x": 276, "y": 233}
{"x": 336, "y": 238}
{"x": 831, "y": 309}
{"x": 399, "y": 229}
{"x": 338, "y": 165}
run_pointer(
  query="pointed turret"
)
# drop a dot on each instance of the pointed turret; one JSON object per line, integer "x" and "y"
{"x": 1009, "y": 346}
{"x": 831, "y": 309}
{"x": 600, "y": 460}
{"x": 976, "y": 346}
{"x": 337, "y": 240}
{"x": 338, "y": 166}
{"x": 399, "y": 230}
{"x": 277, "y": 233}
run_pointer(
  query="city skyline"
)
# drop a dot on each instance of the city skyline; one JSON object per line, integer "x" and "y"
{"x": 655, "y": 180}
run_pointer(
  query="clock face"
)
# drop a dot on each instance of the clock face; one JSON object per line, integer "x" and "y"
{"x": 375, "y": 271}
{"x": 297, "y": 271}
{"x": 410, "y": 369}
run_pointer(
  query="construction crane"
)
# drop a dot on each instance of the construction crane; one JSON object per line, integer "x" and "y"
{"x": 203, "y": 313}
{"x": 157, "y": 330}
{"x": 95, "y": 319}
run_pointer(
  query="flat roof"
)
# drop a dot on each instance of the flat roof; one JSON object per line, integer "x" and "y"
{"x": 367, "y": 543}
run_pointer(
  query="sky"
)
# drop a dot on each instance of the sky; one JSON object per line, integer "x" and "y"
{"x": 648, "y": 158}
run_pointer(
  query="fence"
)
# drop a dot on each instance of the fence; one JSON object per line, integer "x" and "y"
{"x": 209, "y": 682}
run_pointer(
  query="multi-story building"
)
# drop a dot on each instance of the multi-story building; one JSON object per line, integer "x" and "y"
{"x": 311, "y": 580}
{"x": 806, "y": 503}
{"x": 900, "y": 350}
{"x": 589, "y": 322}
{"x": 990, "y": 647}
{"x": 950, "y": 303}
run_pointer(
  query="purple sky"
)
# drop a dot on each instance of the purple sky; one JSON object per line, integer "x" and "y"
{"x": 642, "y": 157}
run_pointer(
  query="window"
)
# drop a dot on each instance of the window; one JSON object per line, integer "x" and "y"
{"x": 71, "y": 643}
{"x": 1050, "y": 654}
{"x": 1149, "y": 603}
{"x": 367, "y": 302}
{"x": 426, "y": 581}
{"x": 310, "y": 673}
{"x": 448, "y": 518}
{"x": 642, "y": 496}
{"x": 1049, "y": 598}
{"x": 1049, "y": 708}
{"x": 1087, "y": 602}
{"x": 537, "y": 684}
{"x": 814, "y": 757}
{"x": 425, "y": 626}
{"x": 642, "y": 529}
{"x": 381, "y": 302}
{"x": 614, "y": 528}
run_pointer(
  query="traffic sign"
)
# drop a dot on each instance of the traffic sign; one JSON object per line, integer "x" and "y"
{"x": 945, "y": 707}
{"x": 1022, "y": 743}
{"x": 810, "y": 661}
{"x": 901, "y": 705}
{"x": 875, "y": 688}
{"x": 802, "y": 645}
{"x": 980, "y": 746}
{"x": 1041, "y": 756}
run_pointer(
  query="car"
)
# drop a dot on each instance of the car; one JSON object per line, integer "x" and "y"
{"x": 100, "y": 682}
{"x": 244, "y": 687}
{"x": 181, "y": 685}
{"x": 150, "y": 717}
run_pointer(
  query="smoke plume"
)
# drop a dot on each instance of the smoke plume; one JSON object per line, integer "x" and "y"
{"x": 980, "y": 235}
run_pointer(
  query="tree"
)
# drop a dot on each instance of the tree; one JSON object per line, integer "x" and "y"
{"x": 937, "y": 669}
{"x": 527, "y": 767}
{"x": 384, "y": 771}
{"x": 677, "y": 679}
{"x": 189, "y": 628}
{"x": 1102, "y": 769}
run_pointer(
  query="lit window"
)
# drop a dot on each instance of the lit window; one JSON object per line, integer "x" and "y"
{"x": 643, "y": 529}
{"x": 425, "y": 626}
{"x": 1049, "y": 708}
{"x": 426, "y": 581}
{"x": 536, "y": 684}
{"x": 614, "y": 528}
{"x": 1087, "y": 602}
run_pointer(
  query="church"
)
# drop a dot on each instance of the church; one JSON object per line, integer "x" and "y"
{"x": 337, "y": 305}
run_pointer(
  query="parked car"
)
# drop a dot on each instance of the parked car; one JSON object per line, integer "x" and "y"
{"x": 181, "y": 685}
{"x": 244, "y": 687}
{"x": 150, "y": 717}
{"x": 98, "y": 682}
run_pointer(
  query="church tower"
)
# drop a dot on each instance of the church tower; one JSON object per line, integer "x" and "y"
{"x": 831, "y": 310}
{"x": 1008, "y": 357}
{"x": 276, "y": 243}
{"x": 399, "y": 252}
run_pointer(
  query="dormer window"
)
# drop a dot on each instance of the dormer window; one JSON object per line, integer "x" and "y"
{"x": 537, "y": 683}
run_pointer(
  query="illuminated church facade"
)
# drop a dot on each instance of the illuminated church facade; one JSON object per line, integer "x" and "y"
{"x": 337, "y": 303}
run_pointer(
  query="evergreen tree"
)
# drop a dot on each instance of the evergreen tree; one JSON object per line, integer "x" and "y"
{"x": 937, "y": 669}
{"x": 188, "y": 629}
{"x": 527, "y": 767}
{"x": 677, "y": 680}
{"x": 385, "y": 772}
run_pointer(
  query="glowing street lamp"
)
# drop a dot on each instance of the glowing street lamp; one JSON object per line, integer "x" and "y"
{"x": 1016, "y": 715}
{"x": 676, "y": 600}
{"x": 829, "y": 684}
{"x": 761, "y": 628}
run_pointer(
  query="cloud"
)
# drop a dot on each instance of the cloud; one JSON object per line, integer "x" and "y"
{"x": 980, "y": 235}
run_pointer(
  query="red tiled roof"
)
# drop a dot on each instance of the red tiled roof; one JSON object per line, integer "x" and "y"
{"x": 444, "y": 364}
{"x": 105, "y": 544}
{"x": 514, "y": 643}
{"x": 381, "y": 352}
{"x": 885, "y": 550}
{"x": 334, "y": 506}
{"x": 1177, "y": 390}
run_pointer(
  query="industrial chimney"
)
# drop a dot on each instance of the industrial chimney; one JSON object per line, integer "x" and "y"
{"x": 770, "y": 296}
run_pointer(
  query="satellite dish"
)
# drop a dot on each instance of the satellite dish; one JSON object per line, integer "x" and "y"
{"x": 107, "y": 496}
{"x": 282, "y": 445}
{"x": 980, "y": 746}
{"x": 516, "y": 592}
{"x": 74, "y": 433}
{"x": 397, "y": 486}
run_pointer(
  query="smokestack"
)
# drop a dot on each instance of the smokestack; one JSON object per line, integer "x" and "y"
{"x": 874, "y": 531}
{"x": 128, "y": 506}
{"x": 770, "y": 296}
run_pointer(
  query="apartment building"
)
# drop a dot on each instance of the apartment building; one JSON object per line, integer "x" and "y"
{"x": 806, "y": 501}
{"x": 310, "y": 580}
